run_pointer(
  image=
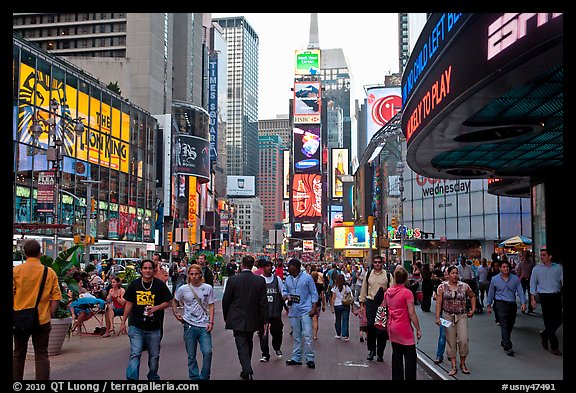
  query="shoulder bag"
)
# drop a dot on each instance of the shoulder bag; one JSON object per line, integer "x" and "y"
{"x": 198, "y": 300}
{"x": 381, "y": 320}
{"x": 26, "y": 321}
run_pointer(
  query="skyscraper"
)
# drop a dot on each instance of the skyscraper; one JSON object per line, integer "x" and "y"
{"x": 268, "y": 181}
{"x": 242, "y": 127}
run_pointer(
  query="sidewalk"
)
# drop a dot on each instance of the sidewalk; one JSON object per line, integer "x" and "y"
{"x": 487, "y": 360}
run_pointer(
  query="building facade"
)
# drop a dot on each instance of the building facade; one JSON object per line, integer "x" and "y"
{"x": 115, "y": 152}
{"x": 250, "y": 219}
{"x": 268, "y": 185}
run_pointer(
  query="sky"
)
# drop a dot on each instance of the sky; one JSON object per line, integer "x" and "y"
{"x": 369, "y": 42}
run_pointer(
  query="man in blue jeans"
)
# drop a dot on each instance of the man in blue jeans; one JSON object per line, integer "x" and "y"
{"x": 146, "y": 298}
{"x": 300, "y": 292}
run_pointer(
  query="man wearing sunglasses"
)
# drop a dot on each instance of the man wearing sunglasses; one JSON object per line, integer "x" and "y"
{"x": 377, "y": 281}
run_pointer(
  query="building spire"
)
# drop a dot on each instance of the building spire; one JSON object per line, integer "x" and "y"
{"x": 314, "y": 42}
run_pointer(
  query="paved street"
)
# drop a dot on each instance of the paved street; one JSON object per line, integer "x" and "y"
{"x": 96, "y": 358}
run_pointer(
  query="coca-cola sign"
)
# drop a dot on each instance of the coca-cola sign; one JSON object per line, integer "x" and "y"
{"x": 306, "y": 196}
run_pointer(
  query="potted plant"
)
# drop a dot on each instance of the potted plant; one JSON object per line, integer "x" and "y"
{"x": 64, "y": 265}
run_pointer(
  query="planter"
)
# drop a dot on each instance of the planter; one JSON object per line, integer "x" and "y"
{"x": 57, "y": 335}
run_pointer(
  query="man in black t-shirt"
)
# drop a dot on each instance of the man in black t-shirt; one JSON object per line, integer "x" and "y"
{"x": 146, "y": 298}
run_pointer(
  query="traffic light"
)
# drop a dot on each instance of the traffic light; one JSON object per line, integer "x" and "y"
{"x": 92, "y": 205}
{"x": 394, "y": 222}
{"x": 169, "y": 237}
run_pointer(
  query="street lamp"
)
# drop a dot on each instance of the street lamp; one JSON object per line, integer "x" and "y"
{"x": 54, "y": 152}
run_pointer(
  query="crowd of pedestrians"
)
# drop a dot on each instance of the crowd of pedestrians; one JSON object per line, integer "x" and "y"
{"x": 257, "y": 292}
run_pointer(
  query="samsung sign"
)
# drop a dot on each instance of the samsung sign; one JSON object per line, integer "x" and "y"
{"x": 241, "y": 186}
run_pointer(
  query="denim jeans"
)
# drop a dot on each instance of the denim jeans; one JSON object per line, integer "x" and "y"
{"x": 302, "y": 331}
{"x": 441, "y": 343}
{"x": 138, "y": 338}
{"x": 342, "y": 322}
{"x": 194, "y": 335}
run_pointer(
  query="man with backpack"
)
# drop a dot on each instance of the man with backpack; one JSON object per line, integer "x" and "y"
{"x": 377, "y": 281}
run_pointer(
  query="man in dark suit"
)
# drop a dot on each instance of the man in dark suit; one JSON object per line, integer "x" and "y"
{"x": 245, "y": 309}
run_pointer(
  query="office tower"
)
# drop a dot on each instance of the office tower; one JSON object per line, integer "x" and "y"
{"x": 335, "y": 77}
{"x": 249, "y": 216}
{"x": 269, "y": 187}
{"x": 279, "y": 126}
{"x": 242, "y": 126}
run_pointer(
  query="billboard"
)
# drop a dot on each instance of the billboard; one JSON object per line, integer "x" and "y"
{"x": 307, "y": 196}
{"x": 353, "y": 238}
{"x": 286, "y": 173}
{"x": 336, "y": 216}
{"x": 306, "y": 148}
{"x": 338, "y": 168}
{"x": 307, "y": 100}
{"x": 192, "y": 157}
{"x": 244, "y": 186}
{"x": 307, "y": 62}
{"x": 105, "y": 141}
{"x": 383, "y": 103}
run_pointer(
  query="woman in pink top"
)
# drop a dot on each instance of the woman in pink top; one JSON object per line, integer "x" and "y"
{"x": 401, "y": 317}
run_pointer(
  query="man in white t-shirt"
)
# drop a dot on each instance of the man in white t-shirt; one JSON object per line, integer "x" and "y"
{"x": 198, "y": 299}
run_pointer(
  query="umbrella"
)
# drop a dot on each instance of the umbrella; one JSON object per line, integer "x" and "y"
{"x": 516, "y": 241}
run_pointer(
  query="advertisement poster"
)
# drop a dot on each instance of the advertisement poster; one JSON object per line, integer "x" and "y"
{"x": 338, "y": 168}
{"x": 306, "y": 145}
{"x": 46, "y": 185}
{"x": 307, "y": 196}
{"x": 192, "y": 155}
{"x": 352, "y": 237}
{"x": 307, "y": 100}
{"x": 307, "y": 62}
{"x": 383, "y": 104}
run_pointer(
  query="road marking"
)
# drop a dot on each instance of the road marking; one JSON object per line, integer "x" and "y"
{"x": 349, "y": 363}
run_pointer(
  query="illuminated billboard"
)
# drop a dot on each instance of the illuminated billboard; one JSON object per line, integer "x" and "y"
{"x": 307, "y": 101}
{"x": 242, "y": 186}
{"x": 353, "y": 238}
{"x": 338, "y": 168}
{"x": 383, "y": 104}
{"x": 286, "y": 177}
{"x": 306, "y": 148}
{"x": 307, "y": 196}
{"x": 192, "y": 156}
{"x": 106, "y": 138}
{"x": 307, "y": 62}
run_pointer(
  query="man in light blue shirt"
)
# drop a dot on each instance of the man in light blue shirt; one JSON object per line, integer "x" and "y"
{"x": 546, "y": 281}
{"x": 300, "y": 292}
{"x": 502, "y": 292}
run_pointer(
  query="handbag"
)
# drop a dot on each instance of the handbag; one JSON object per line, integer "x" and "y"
{"x": 347, "y": 299}
{"x": 381, "y": 320}
{"x": 26, "y": 321}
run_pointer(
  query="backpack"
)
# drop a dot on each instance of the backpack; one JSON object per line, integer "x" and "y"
{"x": 368, "y": 276}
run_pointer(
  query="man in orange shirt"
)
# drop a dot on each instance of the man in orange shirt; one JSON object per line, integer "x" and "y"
{"x": 26, "y": 283}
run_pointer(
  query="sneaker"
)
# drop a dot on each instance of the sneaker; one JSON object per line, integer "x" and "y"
{"x": 264, "y": 359}
{"x": 346, "y": 339}
{"x": 337, "y": 336}
{"x": 370, "y": 355}
{"x": 380, "y": 359}
{"x": 292, "y": 362}
{"x": 437, "y": 361}
{"x": 510, "y": 352}
{"x": 361, "y": 339}
{"x": 279, "y": 353}
{"x": 310, "y": 364}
